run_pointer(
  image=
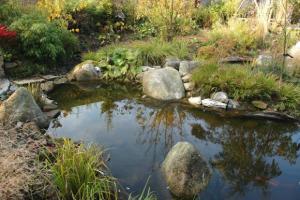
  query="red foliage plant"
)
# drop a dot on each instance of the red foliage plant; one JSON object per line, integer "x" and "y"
{"x": 5, "y": 33}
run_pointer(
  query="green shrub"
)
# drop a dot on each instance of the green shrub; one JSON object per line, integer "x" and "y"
{"x": 241, "y": 83}
{"x": 78, "y": 173}
{"x": 10, "y": 11}
{"x": 43, "y": 40}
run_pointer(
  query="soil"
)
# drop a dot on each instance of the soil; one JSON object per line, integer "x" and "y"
{"x": 21, "y": 175}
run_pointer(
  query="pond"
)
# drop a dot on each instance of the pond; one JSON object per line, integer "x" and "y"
{"x": 250, "y": 159}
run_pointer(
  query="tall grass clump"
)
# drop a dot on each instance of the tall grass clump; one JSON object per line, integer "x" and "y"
{"x": 78, "y": 173}
{"x": 244, "y": 84}
{"x": 152, "y": 52}
{"x": 238, "y": 37}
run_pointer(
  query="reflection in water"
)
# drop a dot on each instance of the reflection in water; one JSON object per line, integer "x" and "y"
{"x": 255, "y": 159}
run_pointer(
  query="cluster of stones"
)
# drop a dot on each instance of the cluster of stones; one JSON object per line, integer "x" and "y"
{"x": 170, "y": 82}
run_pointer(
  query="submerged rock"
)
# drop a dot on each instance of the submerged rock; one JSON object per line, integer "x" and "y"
{"x": 220, "y": 96}
{"x": 21, "y": 106}
{"x": 86, "y": 71}
{"x": 163, "y": 84}
{"x": 186, "y": 173}
{"x": 213, "y": 103}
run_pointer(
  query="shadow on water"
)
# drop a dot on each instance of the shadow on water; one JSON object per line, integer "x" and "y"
{"x": 251, "y": 159}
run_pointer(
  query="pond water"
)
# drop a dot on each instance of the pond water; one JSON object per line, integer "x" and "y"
{"x": 250, "y": 159}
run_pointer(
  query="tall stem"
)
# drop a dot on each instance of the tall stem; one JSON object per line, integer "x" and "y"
{"x": 284, "y": 39}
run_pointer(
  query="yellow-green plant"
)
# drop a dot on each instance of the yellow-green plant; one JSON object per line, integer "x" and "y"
{"x": 78, "y": 173}
{"x": 169, "y": 15}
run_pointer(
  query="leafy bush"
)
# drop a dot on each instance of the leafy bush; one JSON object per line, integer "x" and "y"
{"x": 241, "y": 83}
{"x": 43, "y": 40}
{"x": 78, "y": 173}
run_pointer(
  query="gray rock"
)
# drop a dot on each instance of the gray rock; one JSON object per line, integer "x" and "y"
{"x": 189, "y": 86}
{"x": 293, "y": 62}
{"x": 187, "y": 67}
{"x": 173, "y": 63}
{"x": 147, "y": 68}
{"x": 264, "y": 60}
{"x": 236, "y": 59}
{"x": 49, "y": 107}
{"x": 186, "y": 173}
{"x": 4, "y": 86}
{"x": 21, "y": 106}
{"x": 53, "y": 114}
{"x": 233, "y": 104}
{"x": 213, "y": 103}
{"x": 163, "y": 84}
{"x": 187, "y": 78}
{"x": 86, "y": 71}
{"x": 220, "y": 96}
{"x": 260, "y": 104}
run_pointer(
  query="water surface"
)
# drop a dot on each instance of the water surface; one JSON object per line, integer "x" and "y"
{"x": 250, "y": 159}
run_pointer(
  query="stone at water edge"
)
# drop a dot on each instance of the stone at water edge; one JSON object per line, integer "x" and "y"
{"x": 189, "y": 86}
{"x": 21, "y": 106}
{"x": 163, "y": 84}
{"x": 260, "y": 104}
{"x": 4, "y": 86}
{"x": 86, "y": 71}
{"x": 213, "y": 104}
{"x": 187, "y": 67}
{"x": 220, "y": 96}
{"x": 173, "y": 63}
{"x": 184, "y": 170}
{"x": 196, "y": 101}
{"x": 187, "y": 78}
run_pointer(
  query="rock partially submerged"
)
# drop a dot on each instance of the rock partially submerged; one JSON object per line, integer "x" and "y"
{"x": 163, "y": 84}
{"x": 260, "y": 105}
{"x": 86, "y": 71}
{"x": 220, "y": 96}
{"x": 185, "y": 171}
{"x": 196, "y": 101}
{"x": 4, "y": 86}
{"x": 213, "y": 103}
{"x": 21, "y": 106}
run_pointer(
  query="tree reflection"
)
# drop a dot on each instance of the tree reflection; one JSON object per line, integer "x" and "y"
{"x": 248, "y": 156}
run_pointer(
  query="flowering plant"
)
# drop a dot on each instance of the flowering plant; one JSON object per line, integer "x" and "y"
{"x": 5, "y": 33}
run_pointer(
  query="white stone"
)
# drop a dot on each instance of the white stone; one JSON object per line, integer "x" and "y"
{"x": 196, "y": 101}
{"x": 213, "y": 104}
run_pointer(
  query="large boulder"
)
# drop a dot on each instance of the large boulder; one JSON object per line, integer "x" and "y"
{"x": 21, "y": 106}
{"x": 86, "y": 71}
{"x": 163, "y": 84}
{"x": 186, "y": 173}
{"x": 293, "y": 62}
